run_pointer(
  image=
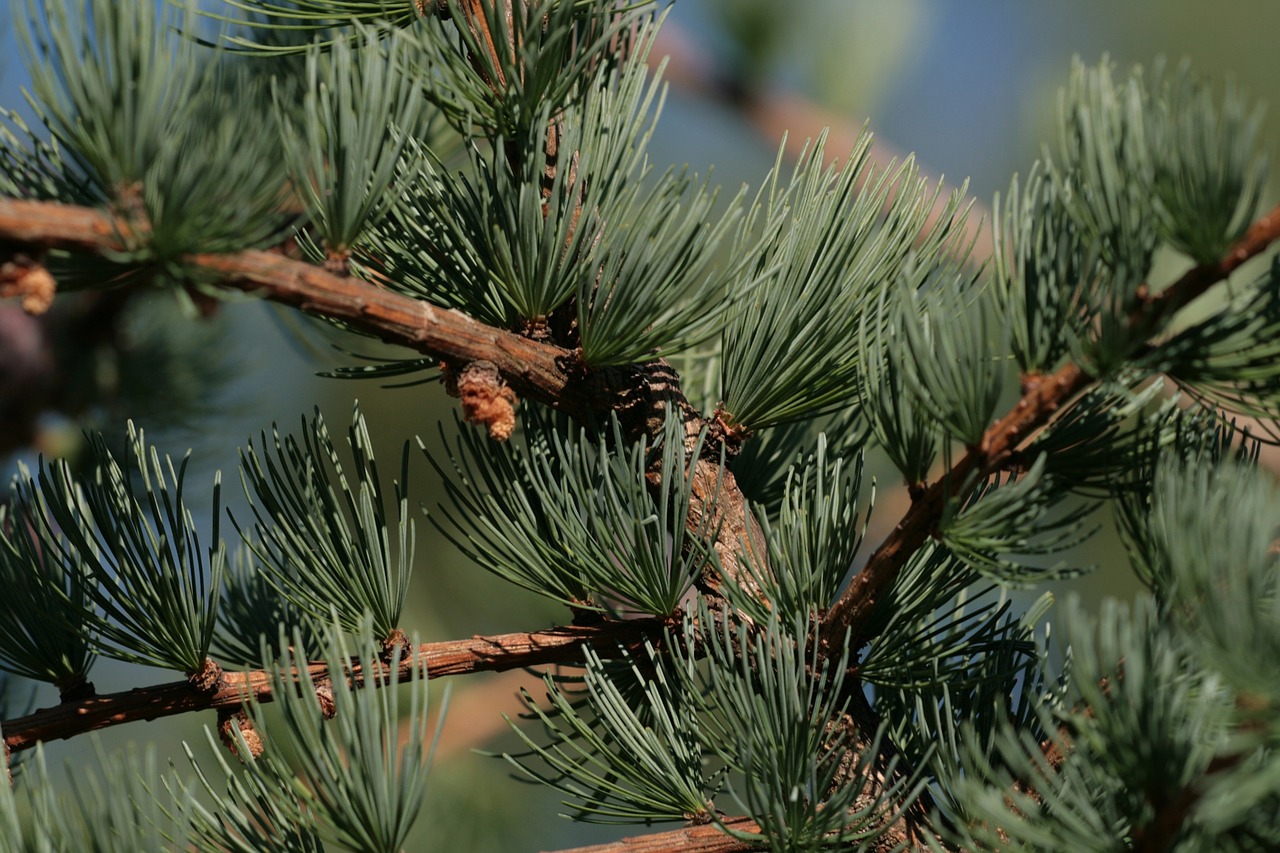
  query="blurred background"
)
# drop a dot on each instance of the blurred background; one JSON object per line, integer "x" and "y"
{"x": 971, "y": 87}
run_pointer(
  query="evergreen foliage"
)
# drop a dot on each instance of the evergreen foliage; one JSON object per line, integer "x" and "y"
{"x": 703, "y": 374}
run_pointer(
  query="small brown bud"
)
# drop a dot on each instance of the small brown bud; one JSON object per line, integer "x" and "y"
{"x": 29, "y": 281}
{"x": 486, "y": 399}
{"x": 396, "y": 638}
{"x": 232, "y": 720}
{"x": 208, "y": 677}
{"x": 324, "y": 696}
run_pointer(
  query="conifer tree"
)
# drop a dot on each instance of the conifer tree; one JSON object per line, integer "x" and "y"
{"x": 669, "y": 392}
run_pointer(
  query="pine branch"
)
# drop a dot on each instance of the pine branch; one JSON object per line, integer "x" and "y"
{"x": 639, "y": 394}
{"x": 1044, "y": 396}
{"x": 710, "y": 838}
{"x": 533, "y": 369}
{"x": 1198, "y": 279}
{"x": 689, "y": 839}
{"x": 496, "y": 653}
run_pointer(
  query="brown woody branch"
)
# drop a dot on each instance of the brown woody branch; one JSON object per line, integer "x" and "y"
{"x": 1199, "y": 279}
{"x": 852, "y": 611}
{"x": 709, "y": 838}
{"x": 534, "y": 369}
{"x": 458, "y": 657}
{"x": 541, "y": 371}
{"x": 1044, "y": 396}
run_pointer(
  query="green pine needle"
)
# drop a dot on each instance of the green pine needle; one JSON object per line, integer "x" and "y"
{"x": 809, "y": 546}
{"x": 156, "y": 589}
{"x": 151, "y": 127}
{"x": 1008, "y": 521}
{"x": 818, "y": 253}
{"x": 576, "y": 518}
{"x": 46, "y": 625}
{"x": 322, "y": 532}
{"x": 625, "y": 751}
{"x": 359, "y": 778}
{"x": 358, "y": 114}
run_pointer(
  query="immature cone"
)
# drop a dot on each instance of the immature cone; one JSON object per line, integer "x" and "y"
{"x": 486, "y": 399}
{"x": 325, "y": 699}
{"x": 27, "y": 279}
{"x": 231, "y": 720}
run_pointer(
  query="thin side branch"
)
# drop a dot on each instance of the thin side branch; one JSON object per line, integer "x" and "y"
{"x": 1042, "y": 399}
{"x": 457, "y": 657}
{"x": 689, "y": 839}
{"x": 856, "y": 604}
{"x": 534, "y": 369}
{"x": 639, "y": 394}
{"x": 1199, "y": 279}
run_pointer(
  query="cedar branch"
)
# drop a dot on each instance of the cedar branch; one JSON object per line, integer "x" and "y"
{"x": 707, "y": 838}
{"x": 534, "y": 369}
{"x": 1043, "y": 397}
{"x": 496, "y": 653}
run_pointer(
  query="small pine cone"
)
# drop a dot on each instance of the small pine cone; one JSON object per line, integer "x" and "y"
{"x": 29, "y": 281}
{"x": 231, "y": 720}
{"x": 324, "y": 696}
{"x": 486, "y": 399}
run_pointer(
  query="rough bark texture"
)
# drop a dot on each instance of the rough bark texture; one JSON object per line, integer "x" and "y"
{"x": 1043, "y": 397}
{"x": 478, "y": 654}
{"x": 690, "y": 839}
